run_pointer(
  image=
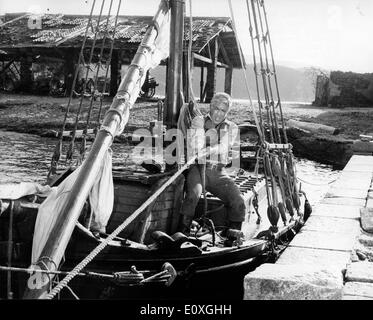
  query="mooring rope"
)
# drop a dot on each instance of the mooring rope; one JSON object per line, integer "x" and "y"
{"x": 317, "y": 184}
{"x": 116, "y": 232}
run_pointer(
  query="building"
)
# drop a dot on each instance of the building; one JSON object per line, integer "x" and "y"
{"x": 26, "y": 39}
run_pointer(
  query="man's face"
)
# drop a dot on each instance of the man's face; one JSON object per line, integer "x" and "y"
{"x": 218, "y": 110}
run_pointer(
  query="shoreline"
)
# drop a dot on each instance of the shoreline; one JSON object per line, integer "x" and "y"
{"x": 41, "y": 115}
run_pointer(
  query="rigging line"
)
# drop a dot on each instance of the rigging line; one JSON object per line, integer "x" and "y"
{"x": 71, "y": 146}
{"x": 190, "y": 52}
{"x": 264, "y": 81}
{"x": 255, "y": 64}
{"x": 81, "y": 54}
{"x": 93, "y": 94}
{"x": 275, "y": 73}
{"x": 98, "y": 68}
{"x": 108, "y": 62}
{"x": 262, "y": 72}
{"x": 58, "y": 148}
{"x": 262, "y": 139}
{"x": 264, "y": 37}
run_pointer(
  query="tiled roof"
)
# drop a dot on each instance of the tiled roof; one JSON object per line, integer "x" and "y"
{"x": 69, "y": 30}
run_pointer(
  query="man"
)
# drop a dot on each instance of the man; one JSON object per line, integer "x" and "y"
{"x": 220, "y": 134}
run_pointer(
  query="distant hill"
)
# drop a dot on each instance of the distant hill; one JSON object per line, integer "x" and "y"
{"x": 294, "y": 84}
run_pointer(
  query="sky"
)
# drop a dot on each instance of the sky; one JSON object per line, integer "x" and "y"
{"x": 328, "y": 34}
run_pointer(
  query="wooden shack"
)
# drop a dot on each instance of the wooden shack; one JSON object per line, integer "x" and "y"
{"x": 26, "y": 39}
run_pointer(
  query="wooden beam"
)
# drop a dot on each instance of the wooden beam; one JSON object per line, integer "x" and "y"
{"x": 209, "y": 61}
{"x": 228, "y": 81}
{"x": 224, "y": 53}
{"x": 69, "y": 69}
{"x": 211, "y": 72}
{"x": 201, "y": 84}
{"x": 26, "y": 74}
{"x": 114, "y": 70}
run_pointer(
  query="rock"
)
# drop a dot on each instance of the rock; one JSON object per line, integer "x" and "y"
{"x": 361, "y": 255}
{"x": 358, "y": 289}
{"x": 362, "y": 147}
{"x": 293, "y": 282}
{"x": 354, "y": 256}
{"x": 320, "y": 257}
{"x": 312, "y": 127}
{"x": 360, "y": 271}
{"x": 366, "y": 240}
{"x": 366, "y": 215}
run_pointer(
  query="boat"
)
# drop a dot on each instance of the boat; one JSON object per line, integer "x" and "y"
{"x": 140, "y": 252}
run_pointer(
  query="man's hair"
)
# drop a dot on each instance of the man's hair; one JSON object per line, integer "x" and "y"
{"x": 222, "y": 97}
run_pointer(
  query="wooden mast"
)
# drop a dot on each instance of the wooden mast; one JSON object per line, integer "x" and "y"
{"x": 175, "y": 64}
{"x": 116, "y": 117}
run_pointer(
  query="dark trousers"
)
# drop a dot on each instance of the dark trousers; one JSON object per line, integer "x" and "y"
{"x": 220, "y": 185}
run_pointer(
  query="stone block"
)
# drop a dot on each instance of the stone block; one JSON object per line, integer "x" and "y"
{"x": 369, "y": 203}
{"x": 358, "y": 289}
{"x": 344, "y": 201}
{"x": 360, "y": 272}
{"x": 348, "y": 297}
{"x": 338, "y": 211}
{"x": 361, "y": 178}
{"x": 361, "y": 159}
{"x": 344, "y": 192}
{"x": 323, "y": 240}
{"x": 313, "y": 257}
{"x": 366, "y": 215}
{"x": 293, "y": 282}
{"x": 348, "y": 227}
{"x": 353, "y": 184}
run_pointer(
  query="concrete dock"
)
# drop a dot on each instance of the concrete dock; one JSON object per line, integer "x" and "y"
{"x": 332, "y": 256}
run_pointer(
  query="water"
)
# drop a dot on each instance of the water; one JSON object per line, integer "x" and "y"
{"x": 26, "y": 158}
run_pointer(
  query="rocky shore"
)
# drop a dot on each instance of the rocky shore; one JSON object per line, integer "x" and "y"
{"x": 43, "y": 115}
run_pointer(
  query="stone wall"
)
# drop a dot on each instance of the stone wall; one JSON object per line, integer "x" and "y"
{"x": 345, "y": 89}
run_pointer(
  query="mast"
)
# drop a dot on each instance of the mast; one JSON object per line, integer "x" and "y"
{"x": 175, "y": 64}
{"x": 115, "y": 119}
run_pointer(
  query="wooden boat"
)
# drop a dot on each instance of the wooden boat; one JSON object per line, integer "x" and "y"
{"x": 148, "y": 254}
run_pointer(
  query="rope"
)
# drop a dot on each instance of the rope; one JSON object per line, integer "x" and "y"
{"x": 93, "y": 94}
{"x": 317, "y": 184}
{"x": 245, "y": 76}
{"x": 268, "y": 73}
{"x": 58, "y": 149}
{"x": 116, "y": 232}
{"x": 108, "y": 62}
{"x": 274, "y": 73}
{"x": 99, "y": 63}
{"x": 70, "y": 150}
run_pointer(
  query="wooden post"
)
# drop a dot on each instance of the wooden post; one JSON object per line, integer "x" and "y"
{"x": 228, "y": 81}
{"x": 69, "y": 69}
{"x": 114, "y": 70}
{"x": 26, "y": 74}
{"x": 185, "y": 75}
{"x": 211, "y": 72}
{"x": 202, "y": 85}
